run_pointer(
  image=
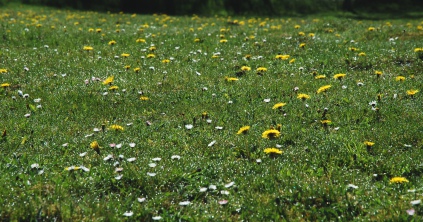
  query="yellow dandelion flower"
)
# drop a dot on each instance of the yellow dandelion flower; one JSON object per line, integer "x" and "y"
{"x": 297, "y": 26}
{"x": 243, "y": 130}
{"x": 398, "y": 180}
{"x": 245, "y": 68}
{"x": 109, "y": 80}
{"x": 116, "y": 127}
{"x": 140, "y": 41}
{"x": 378, "y": 73}
{"x": 113, "y": 88}
{"x": 95, "y": 146}
{"x": 3, "y": 70}
{"x": 137, "y": 69}
{"x": 261, "y": 69}
{"x": 339, "y": 76}
{"x": 125, "y": 55}
{"x": 248, "y": 56}
{"x": 127, "y": 67}
{"x": 371, "y": 29}
{"x": 303, "y": 96}
{"x": 151, "y": 56}
{"x": 282, "y": 57}
{"x": 418, "y": 50}
{"x": 368, "y": 143}
{"x": 197, "y": 40}
{"x": 291, "y": 61}
{"x": 301, "y": 34}
{"x": 165, "y": 61}
{"x": 352, "y": 49}
{"x": 152, "y": 48}
{"x": 302, "y": 45}
{"x": 278, "y": 105}
{"x": 400, "y": 78}
{"x": 90, "y": 30}
{"x": 326, "y": 122}
{"x": 323, "y": 88}
{"x": 98, "y": 30}
{"x": 144, "y": 98}
{"x": 88, "y": 48}
{"x": 362, "y": 54}
{"x": 320, "y": 77}
{"x": 4, "y": 85}
{"x": 223, "y": 41}
{"x": 311, "y": 35}
{"x": 270, "y": 134}
{"x": 412, "y": 92}
{"x": 112, "y": 42}
{"x": 231, "y": 79}
{"x": 273, "y": 151}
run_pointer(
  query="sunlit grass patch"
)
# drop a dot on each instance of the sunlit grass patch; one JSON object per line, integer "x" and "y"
{"x": 156, "y": 117}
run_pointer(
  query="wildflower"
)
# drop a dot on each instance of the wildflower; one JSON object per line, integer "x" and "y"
{"x": 271, "y": 134}
{"x": 352, "y": 49}
{"x": 339, "y": 76}
{"x": 301, "y": 34}
{"x": 412, "y": 92}
{"x": 137, "y": 69}
{"x": 112, "y": 42}
{"x": 261, "y": 69}
{"x": 361, "y": 54}
{"x": 4, "y": 85}
{"x": 125, "y": 55}
{"x": 272, "y": 151}
{"x": 98, "y": 30}
{"x": 152, "y": 48}
{"x": 297, "y": 26}
{"x": 109, "y": 80}
{"x": 326, "y": 122}
{"x": 144, "y": 98}
{"x": 223, "y": 41}
{"x": 371, "y": 29}
{"x": 116, "y": 127}
{"x": 378, "y": 73}
{"x": 95, "y": 146}
{"x": 243, "y": 130}
{"x": 3, "y": 70}
{"x": 278, "y": 105}
{"x": 197, "y": 40}
{"x": 140, "y": 41}
{"x": 88, "y": 48}
{"x": 127, "y": 67}
{"x": 282, "y": 57}
{"x": 151, "y": 56}
{"x": 418, "y": 50}
{"x": 323, "y": 88}
{"x": 320, "y": 77}
{"x": 165, "y": 61}
{"x": 291, "y": 61}
{"x": 400, "y": 78}
{"x": 368, "y": 143}
{"x": 303, "y": 96}
{"x": 245, "y": 68}
{"x": 302, "y": 45}
{"x": 231, "y": 79}
{"x": 113, "y": 88}
{"x": 398, "y": 180}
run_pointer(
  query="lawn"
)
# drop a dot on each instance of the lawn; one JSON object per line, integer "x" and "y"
{"x": 109, "y": 117}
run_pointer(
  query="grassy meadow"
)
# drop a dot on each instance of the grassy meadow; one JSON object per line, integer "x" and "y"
{"x": 109, "y": 117}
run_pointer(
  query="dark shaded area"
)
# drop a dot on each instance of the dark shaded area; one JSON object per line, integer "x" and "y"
{"x": 238, "y": 7}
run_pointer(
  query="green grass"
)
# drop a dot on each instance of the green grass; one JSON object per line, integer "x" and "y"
{"x": 309, "y": 181}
